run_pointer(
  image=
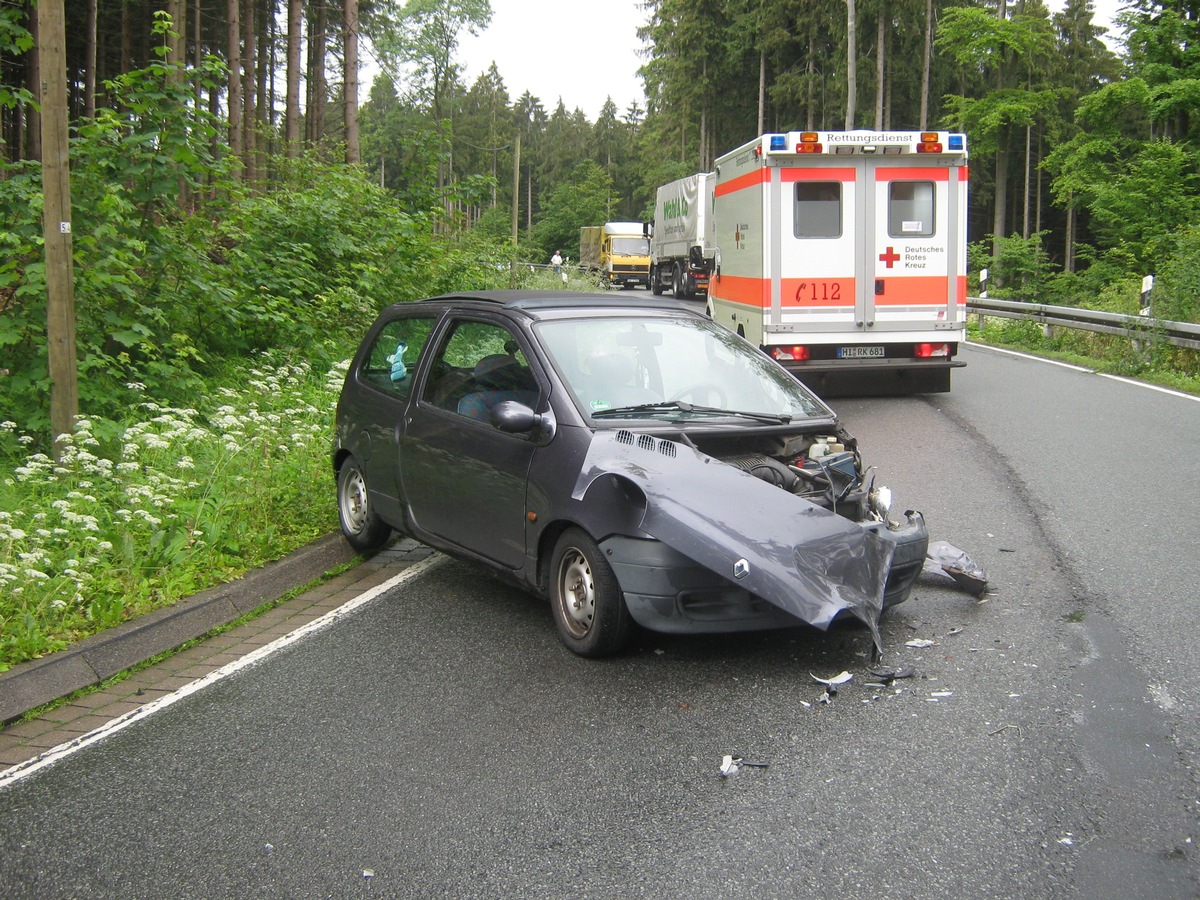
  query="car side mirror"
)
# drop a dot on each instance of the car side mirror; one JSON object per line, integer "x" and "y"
{"x": 513, "y": 417}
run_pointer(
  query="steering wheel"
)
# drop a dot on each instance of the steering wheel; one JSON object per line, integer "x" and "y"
{"x": 703, "y": 393}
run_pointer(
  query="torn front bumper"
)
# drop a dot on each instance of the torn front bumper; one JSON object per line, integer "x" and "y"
{"x": 762, "y": 544}
{"x": 666, "y": 591}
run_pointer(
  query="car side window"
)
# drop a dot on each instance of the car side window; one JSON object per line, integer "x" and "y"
{"x": 391, "y": 363}
{"x": 478, "y": 365}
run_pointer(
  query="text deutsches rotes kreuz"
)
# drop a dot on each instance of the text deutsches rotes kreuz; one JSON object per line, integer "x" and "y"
{"x": 921, "y": 256}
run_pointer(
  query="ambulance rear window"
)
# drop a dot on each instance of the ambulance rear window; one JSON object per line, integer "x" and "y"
{"x": 818, "y": 212}
{"x": 910, "y": 209}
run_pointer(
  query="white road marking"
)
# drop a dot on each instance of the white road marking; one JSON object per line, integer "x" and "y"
{"x": 54, "y": 754}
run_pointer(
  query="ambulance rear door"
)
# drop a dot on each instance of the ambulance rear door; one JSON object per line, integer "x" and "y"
{"x": 915, "y": 251}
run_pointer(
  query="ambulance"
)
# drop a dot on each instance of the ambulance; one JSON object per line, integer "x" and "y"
{"x": 843, "y": 254}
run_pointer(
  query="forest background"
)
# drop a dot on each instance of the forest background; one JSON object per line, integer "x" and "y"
{"x": 238, "y": 218}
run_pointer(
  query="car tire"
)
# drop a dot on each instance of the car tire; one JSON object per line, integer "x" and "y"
{"x": 589, "y": 609}
{"x": 364, "y": 530}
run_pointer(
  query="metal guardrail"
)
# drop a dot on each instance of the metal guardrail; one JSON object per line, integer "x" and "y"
{"x": 1138, "y": 328}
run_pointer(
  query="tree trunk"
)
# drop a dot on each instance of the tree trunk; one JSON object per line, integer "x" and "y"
{"x": 177, "y": 10}
{"x": 1028, "y": 177}
{"x": 234, "y": 61}
{"x": 126, "y": 39}
{"x": 266, "y": 84}
{"x": 250, "y": 72}
{"x": 350, "y": 81}
{"x": 926, "y": 64}
{"x": 880, "y": 68}
{"x": 33, "y": 120}
{"x": 295, "y": 12}
{"x": 89, "y": 65}
{"x": 762, "y": 91}
{"x": 1069, "y": 237}
{"x": 1001, "y": 211}
{"x": 316, "y": 76}
{"x": 811, "y": 72}
{"x": 851, "y": 62}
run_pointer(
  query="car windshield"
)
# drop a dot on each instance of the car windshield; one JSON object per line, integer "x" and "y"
{"x": 672, "y": 367}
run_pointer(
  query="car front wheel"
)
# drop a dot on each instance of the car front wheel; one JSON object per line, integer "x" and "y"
{"x": 364, "y": 530}
{"x": 589, "y": 610}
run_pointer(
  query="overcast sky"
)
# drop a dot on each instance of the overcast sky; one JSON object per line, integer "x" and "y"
{"x": 583, "y": 50}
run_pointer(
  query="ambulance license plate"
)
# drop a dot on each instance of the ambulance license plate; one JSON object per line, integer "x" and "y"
{"x": 860, "y": 353}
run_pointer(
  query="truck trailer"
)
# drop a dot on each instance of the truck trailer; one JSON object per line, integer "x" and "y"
{"x": 843, "y": 255}
{"x": 680, "y": 256}
{"x": 618, "y": 251}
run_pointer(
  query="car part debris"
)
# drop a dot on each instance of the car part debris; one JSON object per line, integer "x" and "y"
{"x": 887, "y": 674}
{"x": 730, "y": 765}
{"x": 831, "y": 684}
{"x": 943, "y": 559}
{"x": 920, "y": 643}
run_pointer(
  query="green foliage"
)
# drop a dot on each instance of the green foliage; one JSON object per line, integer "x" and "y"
{"x": 1146, "y": 197}
{"x": 580, "y": 201}
{"x": 1020, "y": 270}
{"x": 15, "y": 40}
{"x": 1176, "y": 293}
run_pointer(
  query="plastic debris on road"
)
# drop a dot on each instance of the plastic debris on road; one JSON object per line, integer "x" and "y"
{"x": 919, "y": 643}
{"x": 886, "y": 674}
{"x": 944, "y": 560}
{"x": 730, "y": 765}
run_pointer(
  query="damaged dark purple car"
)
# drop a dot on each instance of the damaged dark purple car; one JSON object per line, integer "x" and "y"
{"x": 631, "y": 461}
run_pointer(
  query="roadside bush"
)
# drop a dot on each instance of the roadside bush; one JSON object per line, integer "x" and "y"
{"x": 174, "y": 501}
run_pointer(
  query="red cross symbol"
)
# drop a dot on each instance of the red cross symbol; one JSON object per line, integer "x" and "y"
{"x": 890, "y": 257}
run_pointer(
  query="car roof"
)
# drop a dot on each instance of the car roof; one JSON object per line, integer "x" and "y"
{"x": 537, "y": 303}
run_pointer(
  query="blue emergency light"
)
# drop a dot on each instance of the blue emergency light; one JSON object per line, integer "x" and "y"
{"x": 779, "y": 142}
{"x": 956, "y": 142}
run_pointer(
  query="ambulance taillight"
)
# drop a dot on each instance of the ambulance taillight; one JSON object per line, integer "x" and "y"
{"x": 928, "y": 351}
{"x": 797, "y": 352}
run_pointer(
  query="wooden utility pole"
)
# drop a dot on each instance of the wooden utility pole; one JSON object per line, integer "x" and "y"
{"x": 56, "y": 222}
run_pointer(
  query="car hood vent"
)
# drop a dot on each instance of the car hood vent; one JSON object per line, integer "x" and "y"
{"x": 645, "y": 442}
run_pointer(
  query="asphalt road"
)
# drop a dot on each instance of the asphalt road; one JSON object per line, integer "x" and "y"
{"x": 441, "y": 742}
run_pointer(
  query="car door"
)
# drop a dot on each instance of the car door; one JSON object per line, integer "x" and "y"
{"x": 373, "y": 412}
{"x": 464, "y": 481}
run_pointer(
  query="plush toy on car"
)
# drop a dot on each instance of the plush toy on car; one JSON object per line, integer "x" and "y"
{"x": 399, "y": 370}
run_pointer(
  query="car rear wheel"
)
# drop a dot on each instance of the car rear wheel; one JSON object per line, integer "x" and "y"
{"x": 589, "y": 610}
{"x": 364, "y": 530}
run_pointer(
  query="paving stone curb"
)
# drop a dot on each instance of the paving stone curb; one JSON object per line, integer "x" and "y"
{"x": 40, "y": 681}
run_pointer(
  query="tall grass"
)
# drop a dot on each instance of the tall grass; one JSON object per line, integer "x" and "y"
{"x": 139, "y": 515}
{"x": 1155, "y": 362}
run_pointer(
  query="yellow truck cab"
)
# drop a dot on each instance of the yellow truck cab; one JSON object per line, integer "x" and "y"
{"x": 618, "y": 251}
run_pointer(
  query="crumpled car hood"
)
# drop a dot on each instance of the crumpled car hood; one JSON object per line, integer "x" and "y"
{"x": 806, "y": 560}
